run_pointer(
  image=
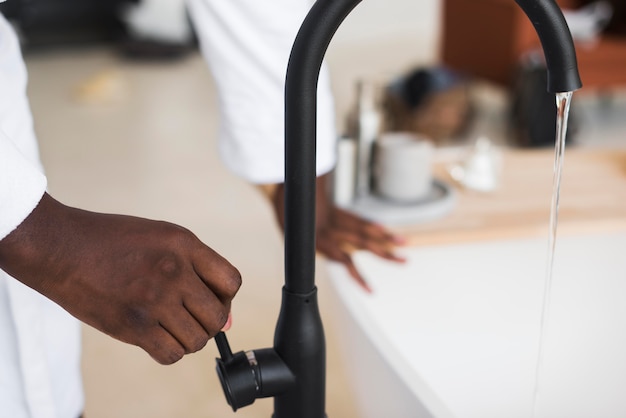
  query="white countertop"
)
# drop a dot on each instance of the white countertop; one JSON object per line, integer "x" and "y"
{"x": 463, "y": 321}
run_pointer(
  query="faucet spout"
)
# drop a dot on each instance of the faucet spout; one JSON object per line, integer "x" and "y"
{"x": 557, "y": 43}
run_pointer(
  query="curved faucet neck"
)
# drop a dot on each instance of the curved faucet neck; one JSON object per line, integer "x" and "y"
{"x": 557, "y": 43}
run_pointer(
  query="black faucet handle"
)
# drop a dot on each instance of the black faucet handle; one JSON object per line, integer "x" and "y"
{"x": 246, "y": 376}
{"x": 223, "y": 347}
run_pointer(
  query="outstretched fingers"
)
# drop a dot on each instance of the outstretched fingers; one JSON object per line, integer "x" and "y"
{"x": 343, "y": 233}
{"x": 360, "y": 241}
{"x": 330, "y": 248}
{"x": 344, "y": 220}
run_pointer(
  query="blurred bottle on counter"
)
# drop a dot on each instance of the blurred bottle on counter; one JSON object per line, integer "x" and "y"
{"x": 368, "y": 129}
{"x": 355, "y": 149}
{"x": 344, "y": 176}
{"x": 364, "y": 125}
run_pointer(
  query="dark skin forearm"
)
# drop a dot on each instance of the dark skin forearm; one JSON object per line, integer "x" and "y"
{"x": 148, "y": 283}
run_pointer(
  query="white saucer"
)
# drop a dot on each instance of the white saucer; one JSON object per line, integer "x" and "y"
{"x": 437, "y": 203}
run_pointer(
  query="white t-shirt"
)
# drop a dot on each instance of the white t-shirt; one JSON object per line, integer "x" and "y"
{"x": 247, "y": 44}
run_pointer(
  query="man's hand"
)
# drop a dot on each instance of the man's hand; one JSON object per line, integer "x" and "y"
{"x": 148, "y": 283}
{"x": 340, "y": 233}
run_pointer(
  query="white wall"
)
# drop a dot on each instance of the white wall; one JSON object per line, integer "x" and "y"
{"x": 390, "y": 19}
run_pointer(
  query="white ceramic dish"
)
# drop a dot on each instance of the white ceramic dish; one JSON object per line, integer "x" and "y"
{"x": 439, "y": 201}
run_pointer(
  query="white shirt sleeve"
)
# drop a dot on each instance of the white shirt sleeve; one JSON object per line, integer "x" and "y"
{"x": 247, "y": 45}
{"x": 21, "y": 186}
{"x": 22, "y": 182}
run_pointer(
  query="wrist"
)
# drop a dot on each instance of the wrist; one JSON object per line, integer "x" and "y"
{"x": 268, "y": 190}
{"x": 29, "y": 249}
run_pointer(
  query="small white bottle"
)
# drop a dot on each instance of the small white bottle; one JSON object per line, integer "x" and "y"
{"x": 368, "y": 125}
{"x": 344, "y": 176}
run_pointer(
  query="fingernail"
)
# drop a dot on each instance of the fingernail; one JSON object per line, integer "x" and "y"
{"x": 229, "y": 322}
{"x": 400, "y": 258}
{"x": 400, "y": 240}
{"x": 367, "y": 287}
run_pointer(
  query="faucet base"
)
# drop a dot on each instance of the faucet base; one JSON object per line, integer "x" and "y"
{"x": 300, "y": 343}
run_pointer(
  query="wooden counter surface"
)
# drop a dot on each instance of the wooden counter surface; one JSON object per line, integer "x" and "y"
{"x": 593, "y": 199}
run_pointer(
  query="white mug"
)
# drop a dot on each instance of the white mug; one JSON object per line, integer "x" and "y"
{"x": 403, "y": 166}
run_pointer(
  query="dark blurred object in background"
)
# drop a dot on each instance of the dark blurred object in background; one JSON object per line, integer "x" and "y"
{"x": 617, "y": 25}
{"x": 429, "y": 101}
{"x": 487, "y": 38}
{"x": 533, "y": 108}
{"x": 54, "y": 22}
{"x": 131, "y": 26}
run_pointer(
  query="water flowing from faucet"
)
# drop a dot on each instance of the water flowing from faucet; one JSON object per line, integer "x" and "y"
{"x": 563, "y": 101}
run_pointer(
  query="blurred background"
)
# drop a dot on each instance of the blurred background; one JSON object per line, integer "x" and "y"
{"x": 126, "y": 114}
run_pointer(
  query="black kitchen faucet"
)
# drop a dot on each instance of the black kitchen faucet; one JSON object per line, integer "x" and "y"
{"x": 294, "y": 370}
